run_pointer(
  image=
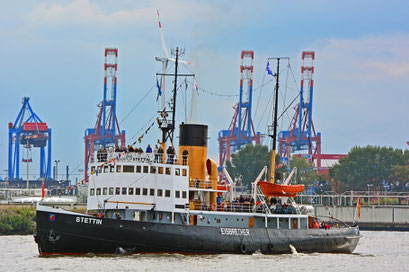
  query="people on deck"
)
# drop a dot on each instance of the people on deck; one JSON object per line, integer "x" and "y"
{"x": 148, "y": 149}
{"x": 155, "y": 152}
{"x": 160, "y": 154}
{"x": 171, "y": 154}
{"x": 185, "y": 154}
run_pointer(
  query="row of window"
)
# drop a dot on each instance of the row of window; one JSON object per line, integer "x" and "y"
{"x": 136, "y": 191}
{"x": 139, "y": 169}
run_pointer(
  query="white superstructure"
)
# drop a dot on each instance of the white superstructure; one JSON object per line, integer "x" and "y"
{"x": 137, "y": 181}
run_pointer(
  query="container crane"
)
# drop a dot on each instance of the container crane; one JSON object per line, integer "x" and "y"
{"x": 30, "y": 131}
{"x": 106, "y": 130}
{"x": 241, "y": 130}
{"x": 301, "y": 134}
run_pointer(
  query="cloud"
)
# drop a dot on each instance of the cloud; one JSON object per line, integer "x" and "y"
{"x": 87, "y": 12}
{"x": 360, "y": 91}
{"x": 83, "y": 11}
{"x": 375, "y": 57}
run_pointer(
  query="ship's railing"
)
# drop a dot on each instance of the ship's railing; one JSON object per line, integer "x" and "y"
{"x": 143, "y": 157}
{"x": 227, "y": 207}
{"x": 350, "y": 198}
{"x": 200, "y": 184}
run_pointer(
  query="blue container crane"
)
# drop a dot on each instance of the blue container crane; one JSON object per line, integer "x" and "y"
{"x": 241, "y": 130}
{"x": 28, "y": 130}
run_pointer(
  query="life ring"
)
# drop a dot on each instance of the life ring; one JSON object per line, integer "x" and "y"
{"x": 213, "y": 207}
{"x": 128, "y": 157}
{"x": 243, "y": 248}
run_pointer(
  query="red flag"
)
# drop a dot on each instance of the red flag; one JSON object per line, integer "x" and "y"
{"x": 42, "y": 191}
{"x": 359, "y": 208}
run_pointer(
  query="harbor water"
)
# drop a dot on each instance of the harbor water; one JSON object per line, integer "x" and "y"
{"x": 376, "y": 251}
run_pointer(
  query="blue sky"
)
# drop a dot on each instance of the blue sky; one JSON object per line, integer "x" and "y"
{"x": 52, "y": 51}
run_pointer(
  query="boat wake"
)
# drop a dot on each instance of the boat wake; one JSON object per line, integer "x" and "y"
{"x": 293, "y": 249}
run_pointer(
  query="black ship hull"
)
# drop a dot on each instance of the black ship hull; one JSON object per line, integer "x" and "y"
{"x": 61, "y": 233}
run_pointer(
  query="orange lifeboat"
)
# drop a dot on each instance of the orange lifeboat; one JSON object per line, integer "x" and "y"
{"x": 272, "y": 189}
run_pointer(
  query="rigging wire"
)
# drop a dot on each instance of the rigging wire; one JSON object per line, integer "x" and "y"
{"x": 137, "y": 104}
{"x": 285, "y": 94}
{"x": 231, "y": 95}
{"x": 259, "y": 97}
{"x": 146, "y": 94}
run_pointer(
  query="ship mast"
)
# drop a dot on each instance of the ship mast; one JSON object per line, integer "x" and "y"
{"x": 168, "y": 126}
{"x": 274, "y": 136}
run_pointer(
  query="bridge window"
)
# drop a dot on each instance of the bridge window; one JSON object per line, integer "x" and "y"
{"x": 184, "y": 172}
{"x": 177, "y": 171}
{"x": 167, "y": 170}
{"x": 184, "y": 194}
{"x": 118, "y": 169}
{"x": 160, "y": 170}
{"x": 153, "y": 169}
{"x": 92, "y": 191}
{"x": 138, "y": 169}
{"x": 111, "y": 169}
{"x": 145, "y": 191}
{"x": 152, "y": 192}
{"x": 124, "y": 189}
{"x": 129, "y": 169}
{"x": 130, "y": 191}
{"x": 146, "y": 169}
{"x": 177, "y": 194}
{"x": 106, "y": 169}
{"x": 117, "y": 190}
{"x": 98, "y": 191}
{"x": 137, "y": 191}
{"x": 167, "y": 193}
{"x": 160, "y": 192}
{"x": 111, "y": 190}
{"x": 104, "y": 191}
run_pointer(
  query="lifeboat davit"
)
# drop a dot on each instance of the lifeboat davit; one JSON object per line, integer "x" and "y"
{"x": 273, "y": 189}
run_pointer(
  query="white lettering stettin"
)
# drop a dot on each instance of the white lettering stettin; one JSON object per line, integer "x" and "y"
{"x": 87, "y": 220}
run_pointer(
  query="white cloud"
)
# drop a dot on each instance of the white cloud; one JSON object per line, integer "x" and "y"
{"x": 360, "y": 91}
{"x": 368, "y": 57}
{"x": 87, "y": 12}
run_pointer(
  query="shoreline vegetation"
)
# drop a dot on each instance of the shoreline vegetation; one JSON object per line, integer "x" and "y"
{"x": 17, "y": 220}
{"x": 21, "y": 219}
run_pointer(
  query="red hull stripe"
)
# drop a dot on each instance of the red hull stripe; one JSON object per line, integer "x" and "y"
{"x": 153, "y": 252}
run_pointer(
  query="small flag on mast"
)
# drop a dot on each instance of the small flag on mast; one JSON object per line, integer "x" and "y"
{"x": 268, "y": 69}
{"x": 159, "y": 90}
{"x": 195, "y": 86}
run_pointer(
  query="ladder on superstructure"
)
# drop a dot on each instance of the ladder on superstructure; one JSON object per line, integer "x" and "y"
{"x": 260, "y": 196}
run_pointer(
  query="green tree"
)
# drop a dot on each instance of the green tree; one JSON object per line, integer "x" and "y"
{"x": 305, "y": 171}
{"x": 248, "y": 163}
{"x": 399, "y": 177}
{"x": 367, "y": 165}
